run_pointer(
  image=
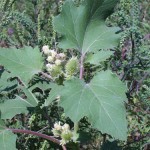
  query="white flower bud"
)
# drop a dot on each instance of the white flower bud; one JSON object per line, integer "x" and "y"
{"x": 57, "y": 126}
{"x": 66, "y": 127}
{"x": 58, "y": 62}
{"x": 62, "y": 55}
{"x": 46, "y": 50}
{"x": 53, "y": 53}
{"x": 50, "y": 59}
{"x": 49, "y": 66}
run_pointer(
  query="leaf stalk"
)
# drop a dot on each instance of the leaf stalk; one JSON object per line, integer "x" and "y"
{"x": 81, "y": 66}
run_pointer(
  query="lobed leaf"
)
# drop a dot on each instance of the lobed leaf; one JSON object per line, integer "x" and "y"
{"x": 83, "y": 28}
{"x": 23, "y": 63}
{"x": 102, "y": 101}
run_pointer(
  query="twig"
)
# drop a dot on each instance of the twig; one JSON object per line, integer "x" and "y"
{"x": 50, "y": 138}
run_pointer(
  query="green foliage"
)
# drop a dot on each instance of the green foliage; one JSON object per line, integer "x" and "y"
{"x": 84, "y": 21}
{"x": 7, "y": 138}
{"x": 91, "y": 14}
{"x": 23, "y": 63}
{"x": 76, "y": 83}
{"x": 27, "y": 22}
{"x": 54, "y": 93}
{"x": 12, "y": 107}
{"x": 97, "y": 57}
{"x": 5, "y": 82}
{"x": 101, "y": 101}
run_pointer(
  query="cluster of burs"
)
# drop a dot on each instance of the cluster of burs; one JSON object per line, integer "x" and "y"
{"x": 64, "y": 132}
{"x": 57, "y": 64}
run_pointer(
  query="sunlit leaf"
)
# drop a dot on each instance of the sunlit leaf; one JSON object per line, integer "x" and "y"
{"x": 23, "y": 63}
{"x": 83, "y": 28}
{"x": 101, "y": 100}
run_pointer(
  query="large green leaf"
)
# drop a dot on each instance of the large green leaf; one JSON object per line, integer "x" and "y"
{"x": 101, "y": 100}
{"x": 7, "y": 138}
{"x": 83, "y": 27}
{"x": 12, "y": 107}
{"x": 23, "y": 63}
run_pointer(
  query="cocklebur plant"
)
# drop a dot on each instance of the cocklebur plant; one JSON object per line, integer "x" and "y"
{"x": 57, "y": 64}
{"x": 63, "y": 132}
{"x": 101, "y": 100}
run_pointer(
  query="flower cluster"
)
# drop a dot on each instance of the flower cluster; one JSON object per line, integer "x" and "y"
{"x": 63, "y": 132}
{"x": 55, "y": 61}
{"x": 57, "y": 64}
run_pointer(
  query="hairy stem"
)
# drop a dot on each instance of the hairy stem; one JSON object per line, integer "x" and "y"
{"x": 50, "y": 138}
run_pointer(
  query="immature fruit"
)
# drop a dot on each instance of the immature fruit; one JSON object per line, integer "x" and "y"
{"x": 56, "y": 133}
{"x": 56, "y": 71}
{"x": 72, "y": 66}
{"x": 66, "y": 135}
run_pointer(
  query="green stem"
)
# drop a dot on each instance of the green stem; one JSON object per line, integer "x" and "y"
{"x": 81, "y": 66}
{"x": 76, "y": 127}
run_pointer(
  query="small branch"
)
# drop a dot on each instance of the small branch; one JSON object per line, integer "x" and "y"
{"x": 46, "y": 75}
{"x": 50, "y": 138}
